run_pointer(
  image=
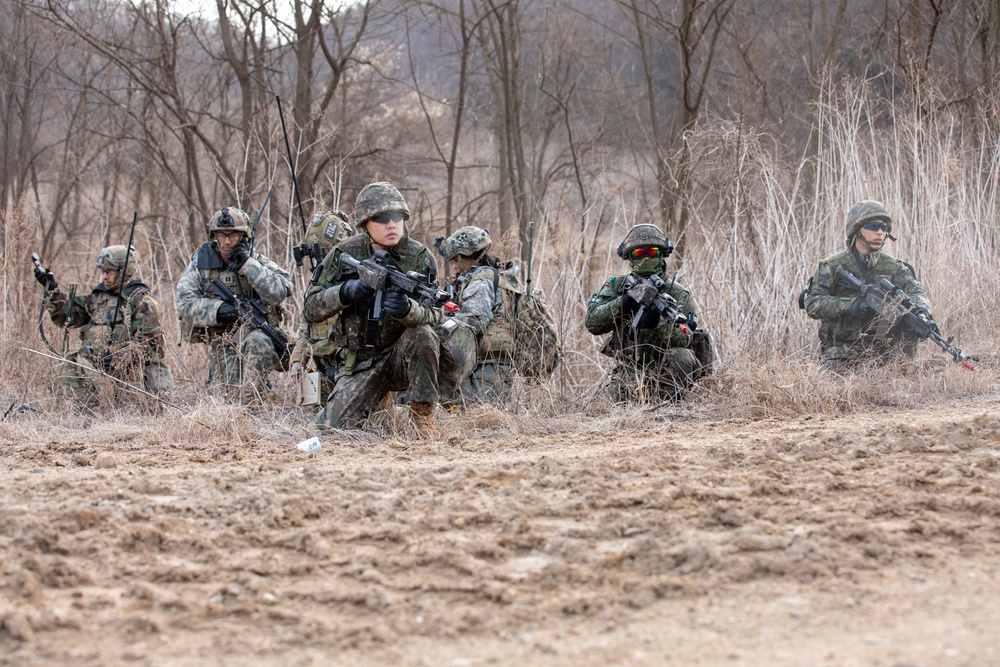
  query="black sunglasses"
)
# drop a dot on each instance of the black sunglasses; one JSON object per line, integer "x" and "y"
{"x": 877, "y": 226}
{"x": 386, "y": 218}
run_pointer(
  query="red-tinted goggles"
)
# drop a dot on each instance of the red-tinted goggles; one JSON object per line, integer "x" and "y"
{"x": 652, "y": 251}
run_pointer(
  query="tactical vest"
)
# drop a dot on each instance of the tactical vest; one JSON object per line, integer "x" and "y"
{"x": 346, "y": 329}
{"x": 96, "y": 334}
{"x": 210, "y": 266}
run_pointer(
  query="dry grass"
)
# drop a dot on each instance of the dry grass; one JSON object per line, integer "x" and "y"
{"x": 758, "y": 229}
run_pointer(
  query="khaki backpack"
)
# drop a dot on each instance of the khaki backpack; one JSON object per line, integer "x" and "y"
{"x": 524, "y": 330}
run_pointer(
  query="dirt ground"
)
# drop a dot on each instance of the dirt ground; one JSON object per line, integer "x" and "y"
{"x": 684, "y": 541}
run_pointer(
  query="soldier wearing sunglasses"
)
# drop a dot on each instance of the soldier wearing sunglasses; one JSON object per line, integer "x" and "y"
{"x": 850, "y": 333}
{"x": 655, "y": 359}
{"x": 408, "y": 351}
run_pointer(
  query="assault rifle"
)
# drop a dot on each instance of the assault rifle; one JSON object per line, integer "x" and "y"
{"x": 892, "y": 305}
{"x": 649, "y": 294}
{"x": 256, "y": 312}
{"x": 381, "y": 274}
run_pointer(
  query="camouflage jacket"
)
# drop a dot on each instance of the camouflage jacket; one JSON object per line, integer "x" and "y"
{"x": 137, "y": 330}
{"x": 349, "y": 323}
{"x": 197, "y": 306}
{"x": 830, "y": 302}
{"x": 604, "y": 314}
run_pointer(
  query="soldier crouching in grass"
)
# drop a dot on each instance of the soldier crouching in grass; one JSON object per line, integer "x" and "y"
{"x": 403, "y": 351}
{"x": 851, "y": 334}
{"x": 119, "y": 327}
{"x": 659, "y": 351}
{"x": 242, "y": 354}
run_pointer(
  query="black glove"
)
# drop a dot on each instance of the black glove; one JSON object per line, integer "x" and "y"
{"x": 46, "y": 279}
{"x": 649, "y": 319}
{"x": 396, "y": 304}
{"x": 629, "y": 305}
{"x": 860, "y": 309}
{"x": 356, "y": 292}
{"x": 227, "y": 314}
{"x": 239, "y": 256}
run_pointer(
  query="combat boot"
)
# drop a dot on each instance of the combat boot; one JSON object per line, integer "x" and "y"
{"x": 423, "y": 418}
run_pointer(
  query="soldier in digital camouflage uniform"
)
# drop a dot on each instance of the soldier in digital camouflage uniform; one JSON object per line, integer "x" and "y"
{"x": 657, "y": 361}
{"x": 313, "y": 344}
{"x": 240, "y": 354}
{"x": 478, "y": 293}
{"x": 850, "y": 334}
{"x": 407, "y": 352}
{"x": 127, "y": 346}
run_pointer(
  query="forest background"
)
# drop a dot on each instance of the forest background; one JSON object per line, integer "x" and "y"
{"x": 744, "y": 128}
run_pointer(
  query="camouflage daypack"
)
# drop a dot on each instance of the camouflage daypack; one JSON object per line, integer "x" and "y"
{"x": 524, "y": 330}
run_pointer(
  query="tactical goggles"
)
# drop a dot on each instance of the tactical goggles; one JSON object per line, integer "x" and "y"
{"x": 652, "y": 251}
{"x": 877, "y": 226}
{"x": 386, "y": 218}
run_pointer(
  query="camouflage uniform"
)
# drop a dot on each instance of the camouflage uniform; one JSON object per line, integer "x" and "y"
{"x": 478, "y": 295}
{"x": 132, "y": 351}
{"x": 846, "y": 339}
{"x": 653, "y": 363}
{"x": 241, "y": 355}
{"x": 313, "y": 344}
{"x": 406, "y": 353}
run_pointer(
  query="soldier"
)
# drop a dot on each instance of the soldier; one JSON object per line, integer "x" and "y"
{"x": 477, "y": 291}
{"x": 313, "y": 344}
{"x": 127, "y": 344}
{"x": 407, "y": 351}
{"x": 241, "y": 355}
{"x": 657, "y": 357}
{"x": 850, "y": 334}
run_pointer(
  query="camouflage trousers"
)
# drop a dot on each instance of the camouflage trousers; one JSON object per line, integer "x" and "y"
{"x": 242, "y": 363}
{"x": 665, "y": 380}
{"x": 413, "y": 363}
{"x": 866, "y": 352}
{"x": 490, "y": 383}
{"x": 85, "y": 383}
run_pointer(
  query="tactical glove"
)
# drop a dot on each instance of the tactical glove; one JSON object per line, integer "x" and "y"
{"x": 629, "y": 305}
{"x": 860, "y": 309}
{"x": 356, "y": 292}
{"x": 397, "y": 304}
{"x": 649, "y": 319}
{"x": 46, "y": 279}
{"x": 239, "y": 256}
{"x": 227, "y": 314}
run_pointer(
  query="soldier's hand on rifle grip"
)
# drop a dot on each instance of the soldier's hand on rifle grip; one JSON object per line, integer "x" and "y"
{"x": 629, "y": 305}
{"x": 46, "y": 279}
{"x": 239, "y": 256}
{"x": 227, "y": 314}
{"x": 356, "y": 292}
{"x": 649, "y": 319}
{"x": 396, "y": 304}
{"x": 861, "y": 309}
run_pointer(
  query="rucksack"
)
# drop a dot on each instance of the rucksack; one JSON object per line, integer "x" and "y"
{"x": 524, "y": 330}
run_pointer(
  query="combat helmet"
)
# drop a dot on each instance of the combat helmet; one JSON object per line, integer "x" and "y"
{"x": 866, "y": 211}
{"x": 328, "y": 228}
{"x": 113, "y": 257}
{"x": 228, "y": 219}
{"x": 469, "y": 241}
{"x": 644, "y": 236}
{"x": 376, "y": 198}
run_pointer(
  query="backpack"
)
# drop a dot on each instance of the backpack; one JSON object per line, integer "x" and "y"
{"x": 523, "y": 330}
